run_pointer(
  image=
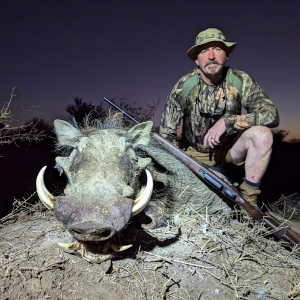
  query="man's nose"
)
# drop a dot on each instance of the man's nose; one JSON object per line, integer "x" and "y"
{"x": 211, "y": 54}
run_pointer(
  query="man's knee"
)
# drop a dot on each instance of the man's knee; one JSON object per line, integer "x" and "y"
{"x": 261, "y": 136}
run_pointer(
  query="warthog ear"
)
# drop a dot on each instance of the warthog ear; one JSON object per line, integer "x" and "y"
{"x": 67, "y": 134}
{"x": 140, "y": 134}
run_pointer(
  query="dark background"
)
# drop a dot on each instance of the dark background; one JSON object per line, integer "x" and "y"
{"x": 54, "y": 50}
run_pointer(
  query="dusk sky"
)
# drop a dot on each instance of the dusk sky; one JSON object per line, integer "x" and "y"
{"x": 53, "y": 51}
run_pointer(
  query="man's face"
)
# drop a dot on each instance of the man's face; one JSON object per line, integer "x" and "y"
{"x": 211, "y": 58}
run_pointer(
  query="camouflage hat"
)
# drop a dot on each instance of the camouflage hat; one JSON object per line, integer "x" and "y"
{"x": 207, "y": 36}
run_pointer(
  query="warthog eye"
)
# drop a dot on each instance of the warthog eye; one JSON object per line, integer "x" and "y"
{"x": 106, "y": 233}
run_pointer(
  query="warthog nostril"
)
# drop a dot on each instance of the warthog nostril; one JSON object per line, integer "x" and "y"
{"x": 91, "y": 231}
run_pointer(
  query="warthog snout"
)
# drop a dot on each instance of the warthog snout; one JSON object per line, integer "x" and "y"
{"x": 91, "y": 220}
{"x": 91, "y": 231}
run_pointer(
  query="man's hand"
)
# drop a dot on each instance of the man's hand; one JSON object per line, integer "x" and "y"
{"x": 212, "y": 138}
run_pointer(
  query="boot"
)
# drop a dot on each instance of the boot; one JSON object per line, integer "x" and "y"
{"x": 250, "y": 193}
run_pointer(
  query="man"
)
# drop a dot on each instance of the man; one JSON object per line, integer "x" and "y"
{"x": 203, "y": 111}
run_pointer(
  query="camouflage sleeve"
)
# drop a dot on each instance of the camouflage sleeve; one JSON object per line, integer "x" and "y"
{"x": 172, "y": 113}
{"x": 260, "y": 109}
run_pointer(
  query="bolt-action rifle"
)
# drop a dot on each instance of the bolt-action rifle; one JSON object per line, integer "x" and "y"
{"x": 281, "y": 230}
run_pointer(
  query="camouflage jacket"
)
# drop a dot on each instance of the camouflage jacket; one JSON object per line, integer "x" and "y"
{"x": 240, "y": 91}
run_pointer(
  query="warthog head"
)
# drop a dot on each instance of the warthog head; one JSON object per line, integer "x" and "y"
{"x": 104, "y": 184}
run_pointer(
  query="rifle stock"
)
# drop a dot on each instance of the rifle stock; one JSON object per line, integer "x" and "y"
{"x": 282, "y": 230}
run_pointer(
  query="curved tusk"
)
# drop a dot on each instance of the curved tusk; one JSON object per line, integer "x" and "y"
{"x": 69, "y": 246}
{"x": 141, "y": 202}
{"x": 45, "y": 196}
{"x": 120, "y": 248}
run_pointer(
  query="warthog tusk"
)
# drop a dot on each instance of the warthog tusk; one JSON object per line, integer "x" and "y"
{"x": 120, "y": 248}
{"x": 45, "y": 196}
{"x": 69, "y": 246}
{"x": 141, "y": 202}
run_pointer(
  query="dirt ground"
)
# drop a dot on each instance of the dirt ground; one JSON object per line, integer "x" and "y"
{"x": 194, "y": 257}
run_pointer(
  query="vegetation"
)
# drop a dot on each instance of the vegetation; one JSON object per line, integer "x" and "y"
{"x": 11, "y": 134}
{"x": 139, "y": 113}
{"x": 21, "y": 164}
{"x": 295, "y": 141}
{"x": 279, "y": 135}
{"x": 82, "y": 110}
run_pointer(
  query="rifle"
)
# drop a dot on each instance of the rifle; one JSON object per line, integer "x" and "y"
{"x": 282, "y": 230}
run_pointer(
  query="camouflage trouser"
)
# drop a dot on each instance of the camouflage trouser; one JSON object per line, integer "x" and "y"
{"x": 220, "y": 154}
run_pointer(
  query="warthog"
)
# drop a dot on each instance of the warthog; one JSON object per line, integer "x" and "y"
{"x": 113, "y": 173}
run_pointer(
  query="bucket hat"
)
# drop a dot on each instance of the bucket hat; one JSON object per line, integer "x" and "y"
{"x": 207, "y": 36}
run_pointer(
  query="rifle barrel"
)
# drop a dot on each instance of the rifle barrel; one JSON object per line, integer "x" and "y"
{"x": 120, "y": 109}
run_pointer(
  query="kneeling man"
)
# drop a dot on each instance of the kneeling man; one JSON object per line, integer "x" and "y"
{"x": 204, "y": 112}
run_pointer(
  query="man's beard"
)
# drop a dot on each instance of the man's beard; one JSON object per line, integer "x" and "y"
{"x": 212, "y": 71}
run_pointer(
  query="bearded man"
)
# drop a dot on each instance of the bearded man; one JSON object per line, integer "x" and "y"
{"x": 204, "y": 112}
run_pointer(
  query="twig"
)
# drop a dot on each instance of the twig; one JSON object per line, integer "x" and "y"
{"x": 22, "y": 275}
{"x": 236, "y": 295}
{"x": 199, "y": 295}
{"x": 183, "y": 191}
{"x": 179, "y": 261}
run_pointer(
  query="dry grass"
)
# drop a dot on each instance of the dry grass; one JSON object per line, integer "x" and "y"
{"x": 23, "y": 206}
{"x": 232, "y": 253}
{"x": 227, "y": 247}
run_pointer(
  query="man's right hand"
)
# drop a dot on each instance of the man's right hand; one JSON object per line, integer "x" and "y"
{"x": 212, "y": 138}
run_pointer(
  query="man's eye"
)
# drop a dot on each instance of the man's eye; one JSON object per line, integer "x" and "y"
{"x": 203, "y": 51}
